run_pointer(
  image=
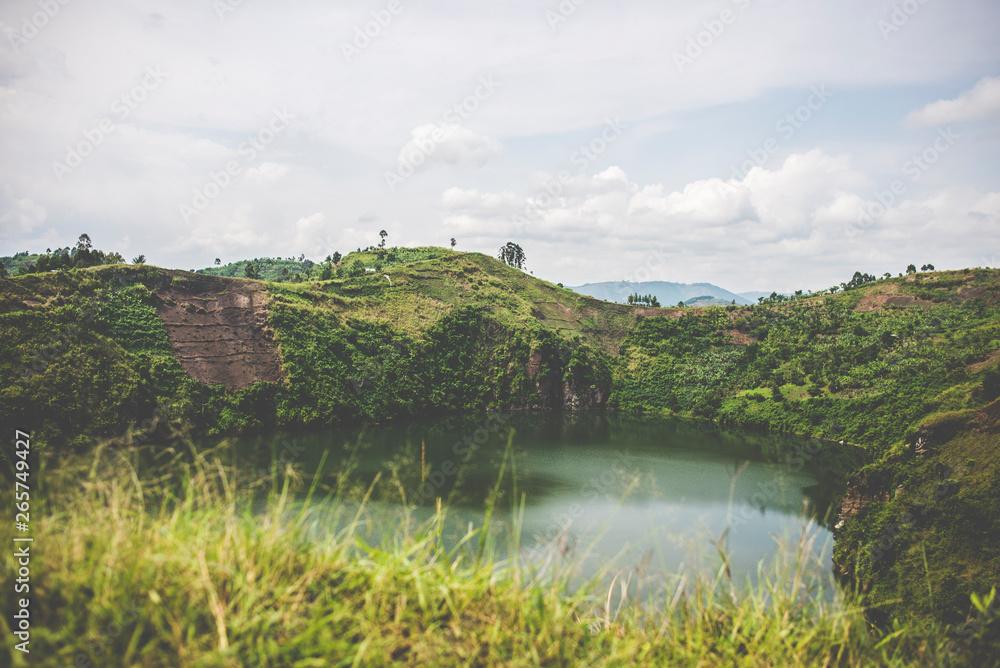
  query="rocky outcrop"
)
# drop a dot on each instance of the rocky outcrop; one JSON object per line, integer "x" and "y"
{"x": 941, "y": 428}
{"x": 583, "y": 399}
{"x": 862, "y": 490}
{"x": 555, "y": 394}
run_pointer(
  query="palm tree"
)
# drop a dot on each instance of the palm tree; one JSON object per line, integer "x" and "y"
{"x": 382, "y": 234}
{"x": 453, "y": 242}
{"x": 217, "y": 262}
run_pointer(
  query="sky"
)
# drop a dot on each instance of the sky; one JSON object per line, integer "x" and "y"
{"x": 754, "y": 144}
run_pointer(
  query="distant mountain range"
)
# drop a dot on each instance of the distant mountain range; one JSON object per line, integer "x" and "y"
{"x": 668, "y": 294}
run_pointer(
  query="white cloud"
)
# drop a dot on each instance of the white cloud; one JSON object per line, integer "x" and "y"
{"x": 22, "y": 215}
{"x": 787, "y": 200}
{"x": 807, "y": 189}
{"x": 449, "y": 144}
{"x": 712, "y": 201}
{"x": 311, "y": 232}
{"x": 268, "y": 171}
{"x": 988, "y": 205}
{"x": 234, "y": 233}
{"x": 981, "y": 101}
{"x": 578, "y": 206}
{"x": 472, "y": 202}
{"x": 612, "y": 174}
{"x": 799, "y": 214}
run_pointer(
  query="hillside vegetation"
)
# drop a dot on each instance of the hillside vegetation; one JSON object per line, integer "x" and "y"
{"x": 903, "y": 367}
{"x": 87, "y": 355}
{"x": 883, "y": 366}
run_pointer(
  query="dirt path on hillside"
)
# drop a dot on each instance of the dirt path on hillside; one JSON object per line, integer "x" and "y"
{"x": 218, "y": 330}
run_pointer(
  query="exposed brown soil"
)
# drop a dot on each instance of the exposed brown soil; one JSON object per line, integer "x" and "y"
{"x": 971, "y": 292}
{"x": 653, "y": 312}
{"x": 880, "y": 301}
{"x": 218, "y": 330}
{"x": 739, "y": 338}
{"x": 554, "y": 311}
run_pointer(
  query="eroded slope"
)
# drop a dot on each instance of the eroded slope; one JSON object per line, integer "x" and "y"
{"x": 218, "y": 330}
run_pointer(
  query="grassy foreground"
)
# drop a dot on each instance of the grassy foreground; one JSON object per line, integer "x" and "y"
{"x": 169, "y": 565}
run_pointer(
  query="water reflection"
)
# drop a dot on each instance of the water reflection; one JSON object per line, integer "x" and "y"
{"x": 581, "y": 488}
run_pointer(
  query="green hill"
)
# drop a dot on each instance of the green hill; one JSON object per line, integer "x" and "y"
{"x": 705, "y": 300}
{"x": 904, "y": 367}
{"x": 270, "y": 268}
{"x": 89, "y": 354}
{"x": 13, "y": 263}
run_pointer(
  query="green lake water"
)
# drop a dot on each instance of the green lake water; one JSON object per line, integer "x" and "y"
{"x": 587, "y": 489}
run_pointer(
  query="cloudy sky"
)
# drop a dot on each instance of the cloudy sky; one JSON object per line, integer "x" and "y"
{"x": 756, "y": 144}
